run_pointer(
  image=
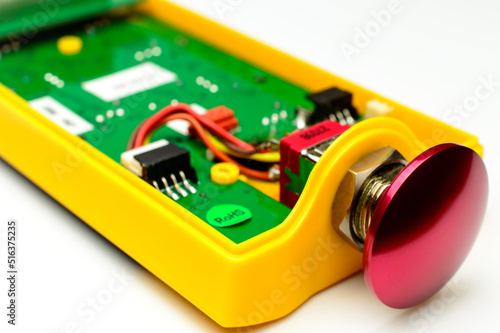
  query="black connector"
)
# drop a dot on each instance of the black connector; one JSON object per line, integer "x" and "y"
{"x": 333, "y": 104}
{"x": 165, "y": 161}
{"x": 165, "y": 166}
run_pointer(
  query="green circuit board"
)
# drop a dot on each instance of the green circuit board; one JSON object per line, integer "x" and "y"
{"x": 23, "y": 18}
{"x": 202, "y": 75}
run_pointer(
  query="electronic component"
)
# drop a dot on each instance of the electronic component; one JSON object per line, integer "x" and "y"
{"x": 295, "y": 148}
{"x": 333, "y": 104}
{"x": 164, "y": 165}
{"x": 69, "y": 45}
{"x": 302, "y": 117}
{"x": 224, "y": 173}
{"x": 376, "y": 108}
{"x": 222, "y": 116}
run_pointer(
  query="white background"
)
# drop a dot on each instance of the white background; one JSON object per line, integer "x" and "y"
{"x": 430, "y": 56}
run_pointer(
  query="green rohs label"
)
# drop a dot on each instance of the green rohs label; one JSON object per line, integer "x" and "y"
{"x": 227, "y": 215}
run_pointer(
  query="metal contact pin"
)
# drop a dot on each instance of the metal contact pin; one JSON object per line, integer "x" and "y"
{"x": 186, "y": 183}
{"x": 169, "y": 192}
{"x": 178, "y": 188}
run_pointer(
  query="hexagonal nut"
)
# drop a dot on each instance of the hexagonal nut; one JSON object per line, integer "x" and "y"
{"x": 351, "y": 185}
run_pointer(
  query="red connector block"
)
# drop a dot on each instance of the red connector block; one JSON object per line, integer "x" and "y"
{"x": 290, "y": 155}
{"x": 222, "y": 116}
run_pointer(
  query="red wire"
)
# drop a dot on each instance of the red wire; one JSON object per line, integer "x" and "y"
{"x": 154, "y": 121}
{"x": 263, "y": 175}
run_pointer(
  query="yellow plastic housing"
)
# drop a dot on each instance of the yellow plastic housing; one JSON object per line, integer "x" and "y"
{"x": 253, "y": 282}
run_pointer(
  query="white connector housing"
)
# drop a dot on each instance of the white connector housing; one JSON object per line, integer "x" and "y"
{"x": 376, "y": 108}
{"x": 128, "y": 160}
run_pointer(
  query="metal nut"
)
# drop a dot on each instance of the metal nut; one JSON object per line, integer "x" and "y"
{"x": 352, "y": 185}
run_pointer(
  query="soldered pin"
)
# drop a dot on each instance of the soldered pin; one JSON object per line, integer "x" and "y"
{"x": 340, "y": 118}
{"x": 169, "y": 192}
{"x": 178, "y": 188}
{"x": 186, "y": 182}
{"x": 347, "y": 115}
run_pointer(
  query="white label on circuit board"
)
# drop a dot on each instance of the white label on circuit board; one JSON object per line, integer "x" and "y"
{"x": 182, "y": 126}
{"x": 61, "y": 115}
{"x": 129, "y": 81}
